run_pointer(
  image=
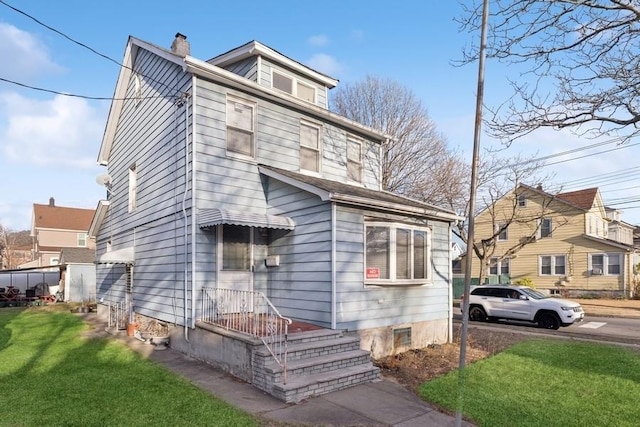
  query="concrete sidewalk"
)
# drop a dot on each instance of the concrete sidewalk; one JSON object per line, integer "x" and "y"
{"x": 382, "y": 403}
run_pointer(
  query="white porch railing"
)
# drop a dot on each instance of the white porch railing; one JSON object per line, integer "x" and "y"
{"x": 248, "y": 312}
{"x": 117, "y": 319}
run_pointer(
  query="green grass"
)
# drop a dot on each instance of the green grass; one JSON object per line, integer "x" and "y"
{"x": 51, "y": 376}
{"x": 546, "y": 383}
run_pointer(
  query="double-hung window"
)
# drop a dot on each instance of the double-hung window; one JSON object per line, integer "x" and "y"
{"x": 82, "y": 239}
{"x": 240, "y": 126}
{"x": 397, "y": 254}
{"x": 545, "y": 227}
{"x": 552, "y": 265}
{"x": 309, "y": 147}
{"x": 354, "y": 159}
{"x": 501, "y": 229}
{"x": 607, "y": 264}
{"x": 498, "y": 266}
{"x": 293, "y": 86}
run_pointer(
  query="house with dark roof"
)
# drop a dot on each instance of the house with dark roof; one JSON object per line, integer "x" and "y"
{"x": 250, "y": 220}
{"x": 56, "y": 227}
{"x": 568, "y": 243}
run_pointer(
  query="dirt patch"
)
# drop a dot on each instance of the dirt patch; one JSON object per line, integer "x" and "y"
{"x": 414, "y": 367}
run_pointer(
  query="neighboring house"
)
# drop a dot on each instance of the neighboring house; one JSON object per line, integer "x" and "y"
{"x": 231, "y": 174}
{"x": 78, "y": 274}
{"x": 571, "y": 243}
{"x": 11, "y": 258}
{"x": 56, "y": 227}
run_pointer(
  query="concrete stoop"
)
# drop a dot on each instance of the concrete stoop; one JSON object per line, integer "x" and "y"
{"x": 318, "y": 362}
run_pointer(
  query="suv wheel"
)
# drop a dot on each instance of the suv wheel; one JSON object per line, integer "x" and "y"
{"x": 548, "y": 321}
{"x": 477, "y": 314}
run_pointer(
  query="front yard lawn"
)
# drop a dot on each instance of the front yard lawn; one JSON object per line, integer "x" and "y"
{"x": 546, "y": 383}
{"x": 50, "y": 375}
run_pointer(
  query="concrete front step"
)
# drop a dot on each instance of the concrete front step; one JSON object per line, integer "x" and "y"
{"x": 306, "y": 386}
{"x": 318, "y": 364}
{"x": 317, "y": 335}
{"x": 304, "y": 350}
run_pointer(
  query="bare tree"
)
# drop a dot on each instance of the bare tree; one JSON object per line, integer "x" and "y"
{"x": 15, "y": 247}
{"x": 580, "y": 62}
{"x": 417, "y": 162}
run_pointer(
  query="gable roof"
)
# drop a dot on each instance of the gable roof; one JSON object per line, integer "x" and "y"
{"x": 254, "y": 48}
{"x": 583, "y": 199}
{"x": 358, "y": 196}
{"x": 62, "y": 218}
{"x": 216, "y": 74}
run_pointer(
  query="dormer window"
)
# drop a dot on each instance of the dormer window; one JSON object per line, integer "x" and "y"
{"x": 293, "y": 86}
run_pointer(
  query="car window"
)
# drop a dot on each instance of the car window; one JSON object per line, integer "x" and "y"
{"x": 532, "y": 293}
{"x": 502, "y": 293}
{"x": 480, "y": 291}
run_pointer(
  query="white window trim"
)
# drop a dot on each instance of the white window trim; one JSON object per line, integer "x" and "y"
{"x": 351, "y": 138}
{"x": 605, "y": 263}
{"x": 84, "y": 237}
{"x": 254, "y": 107}
{"x": 133, "y": 188}
{"x": 392, "y": 255}
{"x": 552, "y": 265}
{"x": 498, "y": 267}
{"x": 506, "y": 232}
{"x": 294, "y": 86}
{"x": 320, "y": 146}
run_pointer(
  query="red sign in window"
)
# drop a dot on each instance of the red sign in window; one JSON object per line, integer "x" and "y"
{"x": 373, "y": 273}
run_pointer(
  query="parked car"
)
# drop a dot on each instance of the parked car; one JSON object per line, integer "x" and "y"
{"x": 492, "y": 302}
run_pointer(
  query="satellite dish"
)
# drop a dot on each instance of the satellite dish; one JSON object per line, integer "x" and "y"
{"x": 104, "y": 179}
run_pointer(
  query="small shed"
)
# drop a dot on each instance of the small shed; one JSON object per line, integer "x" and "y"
{"x": 78, "y": 274}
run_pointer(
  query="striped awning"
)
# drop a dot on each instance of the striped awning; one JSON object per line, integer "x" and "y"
{"x": 213, "y": 217}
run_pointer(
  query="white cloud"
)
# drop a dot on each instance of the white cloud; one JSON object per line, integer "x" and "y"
{"x": 325, "y": 63}
{"x": 62, "y": 131}
{"x": 318, "y": 40}
{"x": 28, "y": 56}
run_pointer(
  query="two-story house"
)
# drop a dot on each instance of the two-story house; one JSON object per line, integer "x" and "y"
{"x": 230, "y": 180}
{"x": 567, "y": 243}
{"x": 56, "y": 227}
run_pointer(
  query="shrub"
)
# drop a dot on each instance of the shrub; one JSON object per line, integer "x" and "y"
{"x": 525, "y": 281}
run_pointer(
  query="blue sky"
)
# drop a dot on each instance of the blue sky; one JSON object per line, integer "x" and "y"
{"x": 49, "y": 143}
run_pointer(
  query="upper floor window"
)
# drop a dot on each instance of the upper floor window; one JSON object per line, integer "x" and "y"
{"x": 240, "y": 126}
{"x": 607, "y": 264}
{"x": 354, "y": 159}
{"x": 545, "y": 227}
{"x": 309, "y": 147}
{"x": 133, "y": 187}
{"x": 293, "y": 86}
{"x": 396, "y": 253}
{"x": 522, "y": 201}
{"x": 82, "y": 239}
{"x": 501, "y": 229}
{"x": 552, "y": 265}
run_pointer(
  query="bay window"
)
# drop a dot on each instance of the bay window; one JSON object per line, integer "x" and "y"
{"x": 396, "y": 254}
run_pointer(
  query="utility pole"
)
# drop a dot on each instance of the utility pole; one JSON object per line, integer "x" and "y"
{"x": 472, "y": 208}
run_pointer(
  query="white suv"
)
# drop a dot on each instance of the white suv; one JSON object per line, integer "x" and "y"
{"x": 512, "y": 302}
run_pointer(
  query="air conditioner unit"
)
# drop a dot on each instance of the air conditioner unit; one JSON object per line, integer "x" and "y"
{"x": 596, "y": 272}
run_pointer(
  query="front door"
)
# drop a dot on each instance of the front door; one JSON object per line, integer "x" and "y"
{"x": 235, "y": 257}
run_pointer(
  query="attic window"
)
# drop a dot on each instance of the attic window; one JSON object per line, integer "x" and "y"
{"x": 522, "y": 201}
{"x": 137, "y": 91}
{"x": 293, "y": 86}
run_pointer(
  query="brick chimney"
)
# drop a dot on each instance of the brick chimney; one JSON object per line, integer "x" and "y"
{"x": 52, "y": 202}
{"x": 180, "y": 45}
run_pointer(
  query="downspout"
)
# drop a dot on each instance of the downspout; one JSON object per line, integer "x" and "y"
{"x": 194, "y": 210}
{"x": 334, "y": 234}
{"x": 185, "y": 100}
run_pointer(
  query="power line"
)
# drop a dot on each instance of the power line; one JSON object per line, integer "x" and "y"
{"x": 98, "y": 98}
{"x": 172, "y": 89}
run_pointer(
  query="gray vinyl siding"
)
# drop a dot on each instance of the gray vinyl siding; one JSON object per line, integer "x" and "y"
{"x": 234, "y": 180}
{"x": 301, "y": 286}
{"x": 247, "y": 68}
{"x": 266, "y": 68}
{"x": 150, "y": 134}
